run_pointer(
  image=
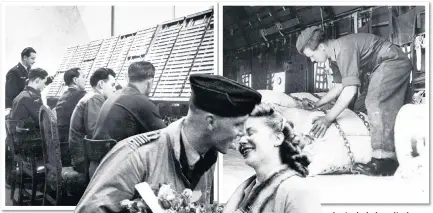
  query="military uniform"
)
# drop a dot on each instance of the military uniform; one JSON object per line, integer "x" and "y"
{"x": 127, "y": 113}
{"x": 164, "y": 156}
{"x": 15, "y": 83}
{"x": 26, "y": 107}
{"x": 156, "y": 157}
{"x": 64, "y": 108}
{"x": 83, "y": 123}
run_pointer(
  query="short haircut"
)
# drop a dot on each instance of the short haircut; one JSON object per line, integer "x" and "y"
{"x": 318, "y": 37}
{"x": 37, "y": 73}
{"x": 70, "y": 74}
{"x": 140, "y": 71}
{"x": 27, "y": 52}
{"x": 101, "y": 74}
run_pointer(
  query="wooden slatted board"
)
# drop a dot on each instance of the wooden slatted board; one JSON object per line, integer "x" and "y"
{"x": 120, "y": 53}
{"x": 93, "y": 50}
{"x": 78, "y": 56}
{"x": 56, "y": 85}
{"x": 204, "y": 62}
{"x": 141, "y": 42}
{"x": 136, "y": 53}
{"x": 103, "y": 57}
{"x": 90, "y": 56}
{"x": 181, "y": 59}
{"x": 67, "y": 58}
{"x": 171, "y": 47}
{"x": 121, "y": 78}
{"x": 160, "y": 50}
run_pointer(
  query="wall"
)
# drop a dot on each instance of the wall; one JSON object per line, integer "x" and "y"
{"x": 52, "y": 29}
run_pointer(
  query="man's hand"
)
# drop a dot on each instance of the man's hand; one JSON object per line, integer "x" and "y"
{"x": 320, "y": 125}
{"x": 308, "y": 104}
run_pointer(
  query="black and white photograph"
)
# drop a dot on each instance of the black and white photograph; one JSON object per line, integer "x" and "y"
{"x": 214, "y": 107}
{"x": 351, "y": 82}
{"x": 82, "y": 79}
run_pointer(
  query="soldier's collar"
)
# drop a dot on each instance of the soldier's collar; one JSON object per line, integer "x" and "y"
{"x": 32, "y": 90}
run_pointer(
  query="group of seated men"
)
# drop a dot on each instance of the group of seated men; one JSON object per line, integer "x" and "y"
{"x": 99, "y": 114}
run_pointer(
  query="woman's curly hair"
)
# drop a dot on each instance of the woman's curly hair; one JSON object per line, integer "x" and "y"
{"x": 290, "y": 151}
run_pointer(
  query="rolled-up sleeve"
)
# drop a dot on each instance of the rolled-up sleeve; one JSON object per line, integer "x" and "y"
{"x": 348, "y": 63}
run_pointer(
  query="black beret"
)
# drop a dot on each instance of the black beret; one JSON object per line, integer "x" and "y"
{"x": 222, "y": 96}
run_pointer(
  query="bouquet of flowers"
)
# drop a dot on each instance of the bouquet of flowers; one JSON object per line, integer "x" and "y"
{"x": 168, "y": 201}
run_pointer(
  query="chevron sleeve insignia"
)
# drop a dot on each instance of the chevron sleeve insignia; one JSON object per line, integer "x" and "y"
{"x": 141, "y": 139}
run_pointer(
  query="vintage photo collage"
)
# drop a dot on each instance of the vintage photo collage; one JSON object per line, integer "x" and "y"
{"x": 214, "y": 107}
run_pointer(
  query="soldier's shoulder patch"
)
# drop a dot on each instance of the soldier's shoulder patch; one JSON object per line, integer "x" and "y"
{"x": 142, "y": 139}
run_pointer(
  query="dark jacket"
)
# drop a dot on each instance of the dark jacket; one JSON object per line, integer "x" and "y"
{"x": 83, "y": 123}
{"x": 26, "y": 107}
{"x": 64, "y": 108}
{"x": 156, "y": 158}
{"x": 15, "y": 83}
{"x": 127, "y": 113}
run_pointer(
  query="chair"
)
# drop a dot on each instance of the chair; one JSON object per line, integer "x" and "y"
{"x": 58, "y": 179}
{"x": 94, "y": 152}
{"x": 26, "y": 166}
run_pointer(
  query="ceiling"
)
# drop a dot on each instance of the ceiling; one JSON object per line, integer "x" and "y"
{"x": 242, "y": 24}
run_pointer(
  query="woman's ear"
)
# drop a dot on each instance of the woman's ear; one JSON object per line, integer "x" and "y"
{"x": 279, "y": 139}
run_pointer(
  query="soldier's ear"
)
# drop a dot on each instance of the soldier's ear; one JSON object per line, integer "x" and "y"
{"x": 100, "y": 84}
{"x": 211, "y": 121}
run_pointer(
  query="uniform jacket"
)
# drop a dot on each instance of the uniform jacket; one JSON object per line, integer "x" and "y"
{"x": 83, "y": 123}
{"x": 64, "y": 108}
{"x": 26, "y": 107}
{"x": 15, "y": 83}
{"x": 153, "y": 157}
{"x": 127, "y": 113}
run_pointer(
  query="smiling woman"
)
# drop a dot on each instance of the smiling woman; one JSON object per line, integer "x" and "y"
{"x": 272, "y": 149}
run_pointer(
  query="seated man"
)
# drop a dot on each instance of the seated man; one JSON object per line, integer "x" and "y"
{"x": 130, "y": 111}
{"x": 76, "y": 81}
{"x": 26, "y": 105}
{"x": 83, "y": 119}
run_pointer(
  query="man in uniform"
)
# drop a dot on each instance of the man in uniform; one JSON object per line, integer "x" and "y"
{"x": 26, "y": 105}
{"x": 181, "y": 155}
{"x": 76, "y": 82}
{"x": 17, "y": 76}
{"x": 389, "y": 70}
{"x": 130, "y": 111}
{"x": 83, "y": 119}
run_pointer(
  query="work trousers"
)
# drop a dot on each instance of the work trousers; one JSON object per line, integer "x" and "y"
{"x": 385, "y": 96}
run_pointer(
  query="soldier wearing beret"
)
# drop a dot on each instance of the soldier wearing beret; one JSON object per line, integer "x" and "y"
{"x": 182, "y": 154}
{"x": 389, "y": 72}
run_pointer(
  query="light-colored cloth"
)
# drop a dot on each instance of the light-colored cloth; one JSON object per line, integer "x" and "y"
{"x": 292, "y": 195}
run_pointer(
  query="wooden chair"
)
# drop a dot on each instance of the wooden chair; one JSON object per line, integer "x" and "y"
{"x": 26, "y": 166}
{"x": 58, "y": 179}
{"x": 94, "y": 152}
